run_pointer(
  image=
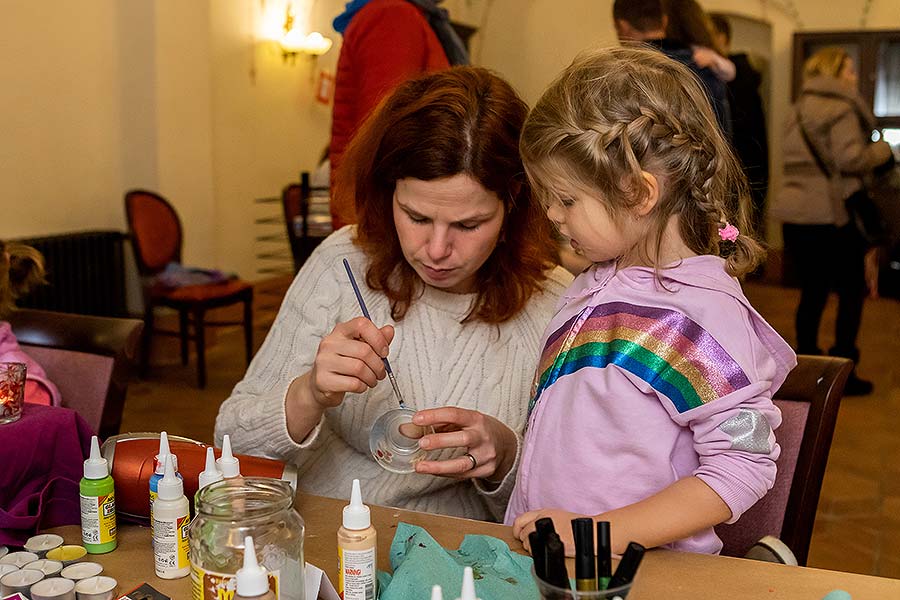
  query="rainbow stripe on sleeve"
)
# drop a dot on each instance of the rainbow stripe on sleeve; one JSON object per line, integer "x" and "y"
{"x": 672, "y": 353}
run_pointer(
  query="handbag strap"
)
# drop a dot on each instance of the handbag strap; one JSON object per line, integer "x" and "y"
{"x": 812, "y": 149}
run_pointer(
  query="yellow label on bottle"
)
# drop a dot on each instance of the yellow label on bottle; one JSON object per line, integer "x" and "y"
{"x": 357, "y": 578}
{"x": 171, "y": 546}
{"x": 152, "y": 500}
{"x": 98, "y": 518}
{"x": 209, "y": 585}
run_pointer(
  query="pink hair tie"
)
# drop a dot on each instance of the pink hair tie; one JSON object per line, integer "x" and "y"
{"x": 729, "y": 232}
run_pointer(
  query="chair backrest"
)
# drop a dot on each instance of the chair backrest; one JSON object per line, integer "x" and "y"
{"x": 809, "y": 401}
{"x": 295, "y": 203}
{"x": 155, "y": 231}
{"x": 90, "y": 359}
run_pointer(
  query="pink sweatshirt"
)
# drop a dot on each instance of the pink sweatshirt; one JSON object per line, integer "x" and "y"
{"x": 38, "y": 389}
{"x": 641, "y": 384}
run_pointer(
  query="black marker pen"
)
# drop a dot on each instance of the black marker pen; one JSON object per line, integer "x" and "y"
{"x": 585, "y": 569}
{"x": 544, "y": 527}
{"x": 628, "y": 566}
{"x": 604, "y": 555}
{"x": 557, "y": 575}
{"x": 538, "y": 554}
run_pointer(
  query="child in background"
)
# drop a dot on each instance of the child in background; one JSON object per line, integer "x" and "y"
{"x": 652, "y": 406}
{"x": 22, "y": 268}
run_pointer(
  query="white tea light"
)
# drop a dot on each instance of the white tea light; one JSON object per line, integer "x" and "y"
{"x": 19, "y": 581}
{"x": 50, "y": 568}
{"x": 82, "y": 570}
{"x": 4, "y": 569}
{"x": 96, "y": 588}
{"x": 55, "y": 588}
{"x": 3, "y": 551}
{"x": 19, "y": 559}
{"x": 41, "y": 544}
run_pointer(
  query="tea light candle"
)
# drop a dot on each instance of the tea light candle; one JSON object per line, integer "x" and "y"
{"x": 19, "y": 559}
{"x": 3, "y": 551}
{"x": 55, "y": 588}
{"x": 67, "y": 554}
{"x": 4, "y": 569}
{"x": 50, "y": 568}
{"x": 41, "y": 544}
{"x": 82, "y": 570}
{"x": 19, "y": 581}
{"x": 96, "y": 588}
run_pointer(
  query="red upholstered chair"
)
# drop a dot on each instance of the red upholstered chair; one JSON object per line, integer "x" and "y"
{"x": 809, "y": 401}
{"x": 90, "y": 359}
{"x": 156, "y": 237}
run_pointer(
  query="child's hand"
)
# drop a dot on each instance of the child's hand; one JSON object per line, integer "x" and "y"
{"x": 562, "y": 521}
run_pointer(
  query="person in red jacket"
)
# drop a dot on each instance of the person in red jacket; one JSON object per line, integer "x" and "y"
{"x": 385, "y": 43}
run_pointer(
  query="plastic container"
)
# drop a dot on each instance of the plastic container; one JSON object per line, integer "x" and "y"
{"x": 230, "y": 510}
{"x": 98, "y": 504}
{"x": 171, "y": 518}
{"x": 551, "y": 592}
{"x": 357, "y": 551}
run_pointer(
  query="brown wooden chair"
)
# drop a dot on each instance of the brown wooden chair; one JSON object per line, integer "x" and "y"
{"x": 295, "y": 200}
{"x": 809, "y": 401}
{"x": 156, "y": 237}
{"x": 90, "y": 359}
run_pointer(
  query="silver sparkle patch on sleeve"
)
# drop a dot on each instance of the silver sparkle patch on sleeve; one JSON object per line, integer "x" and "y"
{"x": 749, "y": 431}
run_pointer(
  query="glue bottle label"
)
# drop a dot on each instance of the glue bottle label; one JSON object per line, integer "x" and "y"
{"x": 210, "y": 585}
{"x": 356, "y": 574}
{"x": 98, "y": 518}
{"x": 170, "y": 544}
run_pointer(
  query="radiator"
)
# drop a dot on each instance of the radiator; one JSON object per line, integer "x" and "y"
{"x": 85, "y": 274}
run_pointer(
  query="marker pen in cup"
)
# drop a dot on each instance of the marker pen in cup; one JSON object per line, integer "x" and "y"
{"x": 628, "y": 566}
{"x": 585, "y": 568}
{"x": 538, "y": 554}
{"x": 557, "y": 574}
{"x": 604, "y": 555}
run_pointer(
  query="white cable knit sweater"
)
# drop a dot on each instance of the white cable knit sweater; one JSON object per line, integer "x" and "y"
{"x": 437, "y": 362}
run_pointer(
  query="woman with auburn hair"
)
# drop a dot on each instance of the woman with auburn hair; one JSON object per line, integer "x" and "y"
{"x": 457, "y": 260}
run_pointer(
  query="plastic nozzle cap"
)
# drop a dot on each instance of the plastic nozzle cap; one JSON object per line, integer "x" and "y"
{"x": 96, "y": 467}
{"x": 436, "y": 593}
{"x": 210, "y": 473}
{"x": 252, "y": 579}
{"x": 468, "y": 586}
{"x": 170, "y": 487}
{"x": 356, "y": 514}
{"x": 163, "y": 451}
{"x": 228, "y": 463}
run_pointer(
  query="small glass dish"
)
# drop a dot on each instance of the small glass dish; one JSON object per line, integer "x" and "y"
{"x": 394, "y": 441}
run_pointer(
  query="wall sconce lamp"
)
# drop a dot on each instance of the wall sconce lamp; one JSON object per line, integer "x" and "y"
{"x": 293, "y": 42}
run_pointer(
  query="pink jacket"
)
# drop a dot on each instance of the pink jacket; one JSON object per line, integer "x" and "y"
{"x": 641, "y": 384}
{"x": 38, "y": 389}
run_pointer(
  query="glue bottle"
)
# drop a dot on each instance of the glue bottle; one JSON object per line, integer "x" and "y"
{"x": 357, "y": 545}
{"x": 252, "y": 578}
{"x": 228, "y": 463}
{"x": 468, "y": 586}
{"x": 171, "y": 518}
{"x": 161, "y": 469}
{"x": 210, "y": 473}
{"x": 436, "y": 593}
{"x": 98, "y": 504}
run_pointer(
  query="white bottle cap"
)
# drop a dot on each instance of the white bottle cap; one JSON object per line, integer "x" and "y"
{"x": 356, "y": 514}
{"x": 252, "y": 579}
{"x": 170, "y": 486}
{"x": 95, "y": 467}
{"x": 228, "y": 463}
{"x": 210, "y": 473}
{"x": 468, "y": 586}
{"x": 436, "y": 593}
{"x": 163, "y": 451}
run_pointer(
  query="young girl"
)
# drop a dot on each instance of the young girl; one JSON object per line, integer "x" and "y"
{"x": 652, "y": 404}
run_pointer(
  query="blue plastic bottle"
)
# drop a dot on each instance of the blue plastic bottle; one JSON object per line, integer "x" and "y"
{"x": 161, "y": 469}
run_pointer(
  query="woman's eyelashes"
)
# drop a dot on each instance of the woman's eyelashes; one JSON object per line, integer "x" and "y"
{"x": 465, "y": 226}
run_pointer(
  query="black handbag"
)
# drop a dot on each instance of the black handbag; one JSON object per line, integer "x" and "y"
{"x": 864, "y": 214}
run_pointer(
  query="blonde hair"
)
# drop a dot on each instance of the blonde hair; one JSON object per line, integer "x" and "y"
{"x": 616, "y": 112}
{"x": 20, "y": 273}
{"x": 828, "y": 61}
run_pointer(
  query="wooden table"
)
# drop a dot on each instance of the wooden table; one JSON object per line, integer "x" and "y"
{"x": 663, "y": 574}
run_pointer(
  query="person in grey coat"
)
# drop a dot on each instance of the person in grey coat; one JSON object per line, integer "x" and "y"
{"x": 820, "y": 243}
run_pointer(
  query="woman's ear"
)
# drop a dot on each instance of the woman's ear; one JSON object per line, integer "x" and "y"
{"x": 651, "y": 197}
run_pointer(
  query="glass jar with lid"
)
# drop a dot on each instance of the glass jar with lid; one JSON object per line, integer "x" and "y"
{"x": 230, "y": 510}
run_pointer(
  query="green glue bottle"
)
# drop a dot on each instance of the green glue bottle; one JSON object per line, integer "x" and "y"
{"x": 98, "y": 504}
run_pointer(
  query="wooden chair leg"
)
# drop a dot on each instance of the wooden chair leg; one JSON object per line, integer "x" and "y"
{"x": 248, "y": 328}
{"x": 200, "y": 336}
{"x": 184, "y": 334}
{"x": 146, "y": 339}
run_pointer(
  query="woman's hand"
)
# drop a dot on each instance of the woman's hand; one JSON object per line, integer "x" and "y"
{"x": 562, "y": 522}
{"x": 490, "y": 444}
{"x": 349, "y": 360}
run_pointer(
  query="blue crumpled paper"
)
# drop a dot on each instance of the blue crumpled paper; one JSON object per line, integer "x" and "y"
{"x": 419, "y": 562}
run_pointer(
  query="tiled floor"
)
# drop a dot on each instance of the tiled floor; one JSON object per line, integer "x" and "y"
{"x": 858, "y": 524}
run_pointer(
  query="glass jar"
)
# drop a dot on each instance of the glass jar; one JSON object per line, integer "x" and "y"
{"x": 231, "y": 509}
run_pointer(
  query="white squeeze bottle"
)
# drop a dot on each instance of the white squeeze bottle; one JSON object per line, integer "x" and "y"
{"x": 171, "y": 517}
{"x": 468, "y": 586}
{"x": 228, "y": 463}
{"x": 252, "y": 578}
{"x": 210, "y": 473}
{"x": 357, "y": 548}
{"x": 436, "y": 593}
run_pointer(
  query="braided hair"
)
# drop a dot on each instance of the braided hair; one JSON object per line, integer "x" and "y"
{"x": 616, "y": 112}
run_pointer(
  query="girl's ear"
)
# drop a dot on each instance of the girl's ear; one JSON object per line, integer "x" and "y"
{"x": 651, "y": 198}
